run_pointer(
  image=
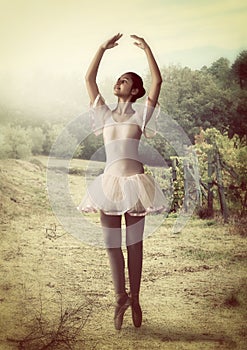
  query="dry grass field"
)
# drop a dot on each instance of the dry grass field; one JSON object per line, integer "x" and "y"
{"x": 56, "y": 292}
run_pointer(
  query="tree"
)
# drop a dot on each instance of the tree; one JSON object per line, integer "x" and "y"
{"x": 196, "y": 100}
{"x": 5, "y": 148}
{"x": 37, "y": 136}
{"x": 239, "y": 69}
{"x": 221, "y": 71}
{"x": 50, "y": 134}
{"x": 16, "y": 142}
{"x": 238, "y": 118}
{"x": 65, "y": 145}
{"x": 90, "y": 147}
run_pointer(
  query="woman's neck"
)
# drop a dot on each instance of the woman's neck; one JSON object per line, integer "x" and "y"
{"x": 124, "y": 107}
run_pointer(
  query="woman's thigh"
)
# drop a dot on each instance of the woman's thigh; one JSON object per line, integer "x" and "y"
{"x": 111, "y": 226}
{"x": 134, "y": 228}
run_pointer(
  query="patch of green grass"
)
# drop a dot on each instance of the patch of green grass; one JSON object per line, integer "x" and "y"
{"x": 210, "y": 223}
{"x": 201, "y": 254}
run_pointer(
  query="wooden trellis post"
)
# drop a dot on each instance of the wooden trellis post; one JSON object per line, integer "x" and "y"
{"x": 191, "y": 179}
{"x": 210, "y": 212}
{"x": 220, "y": 185}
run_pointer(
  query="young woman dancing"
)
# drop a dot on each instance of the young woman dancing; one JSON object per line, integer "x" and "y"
{"x": 123, "y": 190}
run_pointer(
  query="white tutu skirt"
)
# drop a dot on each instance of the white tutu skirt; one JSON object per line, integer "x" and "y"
{"x": 136, "y": 195}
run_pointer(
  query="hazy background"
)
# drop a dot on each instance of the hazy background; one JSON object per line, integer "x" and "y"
{"x": 47, "y": 45}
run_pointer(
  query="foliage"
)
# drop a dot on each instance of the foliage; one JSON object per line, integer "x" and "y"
{"x": 89, "y": 146}
{"x": 50, "y": 131}
{"x": 222, "y": 72}
{"x": 21, "y": 142}
{"x": 178, "y": 183}
{"x": 233, "y": 158}
{"x": 203, "y": 99}
{"x": 239, "y": 69}
{"x": 65, "y": 144}
{"x": 15, "y": 142}
{"x": 238, "y": 120}
{"x": 37, "y": 139}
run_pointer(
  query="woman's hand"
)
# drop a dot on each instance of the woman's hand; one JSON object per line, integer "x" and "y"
{"x": 110, "y": 43}
{"x": 141, "y": 43}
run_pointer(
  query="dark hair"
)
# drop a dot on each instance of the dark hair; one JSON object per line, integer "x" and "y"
{"x": 137, "y": 84}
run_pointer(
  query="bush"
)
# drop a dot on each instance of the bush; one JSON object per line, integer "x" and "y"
{"x": 15, "y": 142}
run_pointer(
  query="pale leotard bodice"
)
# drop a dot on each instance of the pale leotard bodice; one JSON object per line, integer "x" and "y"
{"x": 121, "y": 140}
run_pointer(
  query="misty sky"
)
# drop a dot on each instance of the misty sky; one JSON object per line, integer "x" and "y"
{"x": 43, "y": 42}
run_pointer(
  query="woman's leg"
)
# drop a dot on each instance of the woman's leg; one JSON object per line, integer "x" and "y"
{"x": 111, "y": 226}
{"x": 134, "y": 242}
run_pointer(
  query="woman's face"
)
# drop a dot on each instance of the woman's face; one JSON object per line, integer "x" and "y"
{"x": 123, "y": 86}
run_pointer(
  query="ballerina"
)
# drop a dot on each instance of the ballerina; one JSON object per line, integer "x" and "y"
{"x": 124, "y": 190}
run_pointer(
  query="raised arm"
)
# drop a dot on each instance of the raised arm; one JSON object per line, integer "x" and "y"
{"x": 92, "y": 71}
{"x": 156, "y": 78}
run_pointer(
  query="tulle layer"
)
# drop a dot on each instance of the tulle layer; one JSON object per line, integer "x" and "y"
{"x": 137, "y": 195}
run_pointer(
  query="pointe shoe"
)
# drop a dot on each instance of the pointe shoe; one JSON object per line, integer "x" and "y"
{"x": 136, "y": 310}
{"x": 123, "y": 302}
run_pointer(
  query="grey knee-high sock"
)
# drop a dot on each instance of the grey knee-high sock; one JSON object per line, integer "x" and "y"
{"x": 117, "y": 265}
{"x": 135, "y": 257}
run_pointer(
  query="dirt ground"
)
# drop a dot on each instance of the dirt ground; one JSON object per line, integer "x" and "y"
{"x": 193, "y": 290}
